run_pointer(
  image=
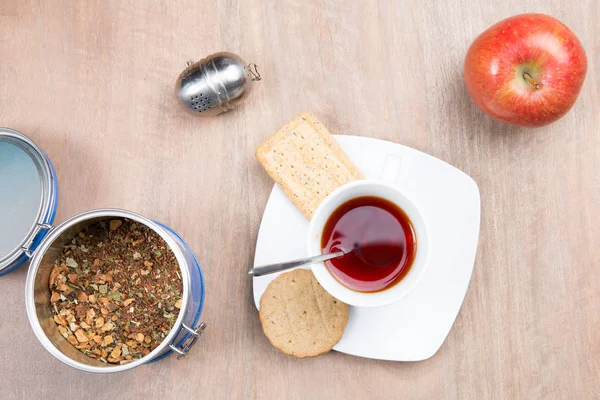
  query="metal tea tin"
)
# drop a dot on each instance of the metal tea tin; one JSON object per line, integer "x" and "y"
{"x": 42, "y": 244}
{"x": 180, "y": 339}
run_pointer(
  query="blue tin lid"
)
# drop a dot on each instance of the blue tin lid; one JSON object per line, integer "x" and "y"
{"x": 28, "y": 194}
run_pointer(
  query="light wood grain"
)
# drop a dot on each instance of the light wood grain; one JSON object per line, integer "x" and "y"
{"x": 92, "y": 83}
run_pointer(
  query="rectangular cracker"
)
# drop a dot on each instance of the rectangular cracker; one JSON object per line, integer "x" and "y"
{"x": 306, "y": 162}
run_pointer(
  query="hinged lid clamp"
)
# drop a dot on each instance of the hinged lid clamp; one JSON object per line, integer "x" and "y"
{"x": 190, "y": 341}
{"x": 39, "y": 227}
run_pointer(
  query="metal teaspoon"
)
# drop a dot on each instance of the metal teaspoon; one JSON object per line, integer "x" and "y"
{"x": 271, "y": 268}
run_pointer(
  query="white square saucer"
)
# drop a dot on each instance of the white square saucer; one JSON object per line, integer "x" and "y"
{"x": 414, "y": 328}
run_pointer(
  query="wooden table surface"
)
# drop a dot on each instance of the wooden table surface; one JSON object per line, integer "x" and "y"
{"x": 92, "y": 83}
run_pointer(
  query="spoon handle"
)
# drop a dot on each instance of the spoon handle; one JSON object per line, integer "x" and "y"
{"x": 271, "y": 268}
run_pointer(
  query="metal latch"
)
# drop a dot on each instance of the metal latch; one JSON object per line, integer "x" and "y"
{"x": 190, "y": 341}
{"x": 39, "y": 227}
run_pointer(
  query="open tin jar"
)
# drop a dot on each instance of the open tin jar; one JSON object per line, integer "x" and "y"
{"x": 28, "y": 197}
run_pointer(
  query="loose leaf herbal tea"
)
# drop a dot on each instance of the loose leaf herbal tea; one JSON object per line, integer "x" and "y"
{"x": 116, "y": 291}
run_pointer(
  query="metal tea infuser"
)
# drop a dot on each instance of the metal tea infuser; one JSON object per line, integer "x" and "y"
{"x": 215, "y": 84}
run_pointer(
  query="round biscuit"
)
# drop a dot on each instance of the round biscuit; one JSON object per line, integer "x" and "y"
{"x": 299, "y": 317}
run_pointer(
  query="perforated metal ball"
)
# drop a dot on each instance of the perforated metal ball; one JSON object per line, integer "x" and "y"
{"x": 215, "y": 84}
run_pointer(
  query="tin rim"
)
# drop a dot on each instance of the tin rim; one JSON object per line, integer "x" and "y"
{"x": 45, "y": 213}
{"x": 35, "y": 263}
{"x": 196, "y": 264}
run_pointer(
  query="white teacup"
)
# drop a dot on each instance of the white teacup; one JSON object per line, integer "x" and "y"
{"x": 392, "y": 293}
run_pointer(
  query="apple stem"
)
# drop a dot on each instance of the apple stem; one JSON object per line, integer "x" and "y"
{"x": 536, "y": 85}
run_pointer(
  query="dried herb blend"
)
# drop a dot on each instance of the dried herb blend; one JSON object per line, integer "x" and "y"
{"x": 116, "y": 291}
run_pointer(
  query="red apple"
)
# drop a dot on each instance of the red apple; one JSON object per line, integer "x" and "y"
{"x": 526, "y": 70}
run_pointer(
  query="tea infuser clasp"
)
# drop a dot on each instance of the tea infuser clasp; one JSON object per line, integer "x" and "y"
{"x": 255, "y": 74}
